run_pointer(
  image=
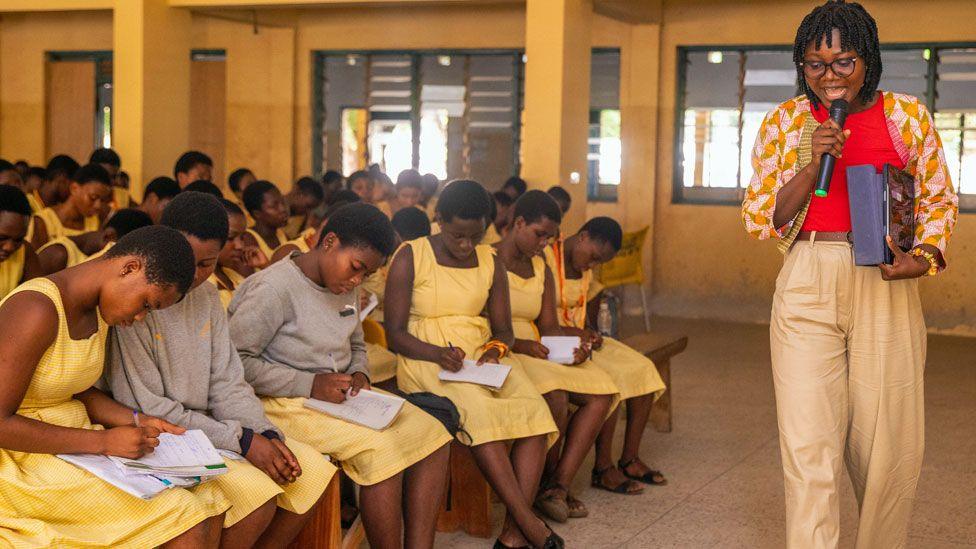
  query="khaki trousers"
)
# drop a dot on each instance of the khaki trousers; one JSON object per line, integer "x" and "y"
{"x": 848, "y": 354}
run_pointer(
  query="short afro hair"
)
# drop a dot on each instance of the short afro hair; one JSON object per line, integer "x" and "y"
{"x": 187, "y": 160}
{"x": 231, "y": 208}
{"x": 858, "y": 33}
{"x": 127, "y": 220}
{"x": 311, "y": 187}
{"x": 105, "y": 156}
{"x": 61, "y": 165}
{"x": 361, "y": 174}
{"x": 163, "y": 187}
{"x": 331, "y": 177}
{"x": 234, "y": 179}
{"x": 363, "y": 226}
{"x": 13, "y": 200}
{"x": 167, "y": 256}
{"x": 197, "y": 214}
{"x": 516, "y": 183}
{"x": 92, "y": 173}
{"x": 6, "y": 165}
{"x": 345, "y": 196}
{"x": 411, "y": 223}
{"x": 204, "y": 186}
{"x": 560, "y": 195}
{"x": 535, "y": 205}
{"x": 606, "y": 230}
{"x": 37, "y": 171}
{"x": 410, "y": 178}
{"x": 254, "y": 194}
{"x": 464, "y": 199}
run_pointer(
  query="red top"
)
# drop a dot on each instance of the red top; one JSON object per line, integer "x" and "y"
{"x": 869, "y": 143}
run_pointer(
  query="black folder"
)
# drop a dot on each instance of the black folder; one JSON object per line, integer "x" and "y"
{"x": 881, "y": 204}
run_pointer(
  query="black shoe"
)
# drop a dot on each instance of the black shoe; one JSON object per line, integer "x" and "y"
{"x": 554, "y": 542}
{"x": 500, "y": 545}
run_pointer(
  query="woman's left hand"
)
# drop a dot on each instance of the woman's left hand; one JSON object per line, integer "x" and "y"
{"x": 161, "y": 424}
{"x": 904, "y": 265}
{"x": 491, "y": 355}
{"x": 359, "y": 382}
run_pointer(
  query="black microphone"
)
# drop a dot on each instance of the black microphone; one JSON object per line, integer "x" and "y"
{"x": 838, "y": 113}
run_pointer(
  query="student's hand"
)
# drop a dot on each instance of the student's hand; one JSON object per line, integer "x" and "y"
{"x": 161, "y": 424}
{"x": 531, "y": 348}
{"x": 359, "y": 381}
{"x": 451, "y": 358}
{"x": 581, "y": 354}
{"x": 592, "y": 338}
{"x": 828, "y": 138}
{"x": 493, "y": 355}
{"x": 264, "y": 455}
{"x": 331, "y": 387}
{"x": 364, "y": 299}
{"x": 289, "y": 456}
{"x": 905, "y": 265}
{"x": 130, "y": 441}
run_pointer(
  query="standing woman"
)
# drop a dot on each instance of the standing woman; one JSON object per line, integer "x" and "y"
{"x": 52, "y": 348}
{"x": 848, "y": 343}
{"x": 435, "y": 294}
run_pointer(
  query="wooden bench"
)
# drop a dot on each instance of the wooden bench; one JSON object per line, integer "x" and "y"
{"x": 324, "y": 530}
{"x": 660, "y": 348}
{"x": 468, "y": 505}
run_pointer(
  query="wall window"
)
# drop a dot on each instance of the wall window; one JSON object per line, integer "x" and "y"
{"x": 724, "y": 93}
{"x": 604, "y": 144}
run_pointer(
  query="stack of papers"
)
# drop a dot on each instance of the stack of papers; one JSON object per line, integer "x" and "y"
{"x": 561, "y": 348}
{"x": 368, "y": 408}
{"x": 488, "y": 374}
{"x": 150, "y": 475}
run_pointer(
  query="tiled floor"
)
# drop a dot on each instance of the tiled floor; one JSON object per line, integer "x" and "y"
{"x": 723, "y": 464}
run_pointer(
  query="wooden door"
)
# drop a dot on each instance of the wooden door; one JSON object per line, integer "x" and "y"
{"x": 70, "y": 106}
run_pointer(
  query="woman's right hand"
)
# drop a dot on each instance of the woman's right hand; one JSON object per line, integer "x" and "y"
{"x": 267, "y": 456}
{"x": 828, "y": 138}
{"x": 331, "y": 387}
{"x": 130, "y": 441}
{"x": 451, "y": 358}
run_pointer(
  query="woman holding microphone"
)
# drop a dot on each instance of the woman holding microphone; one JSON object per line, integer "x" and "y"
{"x": 848, "y": 343}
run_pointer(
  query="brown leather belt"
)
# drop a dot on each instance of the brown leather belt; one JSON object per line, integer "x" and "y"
{"x": 817, "y": 236}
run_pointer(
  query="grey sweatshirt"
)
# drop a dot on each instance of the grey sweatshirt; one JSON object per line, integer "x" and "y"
{"x": 288, "y": 328}
{"x": 180, "y": 364}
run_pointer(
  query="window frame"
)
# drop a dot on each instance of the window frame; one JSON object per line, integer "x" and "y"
{"x": 730, "y": 196}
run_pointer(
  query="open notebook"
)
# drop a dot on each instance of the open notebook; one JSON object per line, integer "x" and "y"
{"x": 488, "y": 374}
{"x": 561, "y": 348}
{"x": 188, "y": 455}
{"x": 369, "y": 408}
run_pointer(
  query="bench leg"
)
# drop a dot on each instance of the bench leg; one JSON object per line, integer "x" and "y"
{"x": 324, "y": 529}
{"x": 469, "y": 503}
{"x": 661, "y": 411}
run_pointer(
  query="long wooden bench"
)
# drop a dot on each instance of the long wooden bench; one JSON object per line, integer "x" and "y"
{"x": 324, "y": 530}
{"x": 468, "y": 505}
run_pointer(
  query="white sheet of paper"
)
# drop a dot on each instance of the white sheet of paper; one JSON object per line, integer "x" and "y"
{"x": 561, "y": 348}
{"x": 370, "y": 305}
{"x": 369, "y": 408}
{"x": 488, "y": 374}
{"x": 189, "y": 454}
{"x": 140, "y": 485}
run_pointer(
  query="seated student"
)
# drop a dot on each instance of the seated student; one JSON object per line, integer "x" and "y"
{"x": 409, "y": 186}
{"x": 561, "y": 197}
{"x": 266, "y": 205}
{"x": 68, "y": 251}
{"x": 22, "y": 167}
{"x": 305, "y": 197}
{"x": 332, "y": 182}
{"x": 435, "y": 293}
{"x": 232, "y": 263}
{"x": 584, "y": 384}
{"x": 238, "y": 180}
{"x": 572, "y": 261}
{"x": 428, "y": 198}
{"x": 501, "y": 218}
{"x": 157, "y": 196}
{"x": 52, "y": 346}
{"x": 206, "y": 187}
{"x": 18, "y": 263}
{"x": 361, "y": 183}
{"x": 179, "y": 364}
{"x": 57, "y": 183}
{"x": 383, "y": 188}
{"x": 32, "y": 184}
{"x": 192, "y": 166}
{"x": 110, "y": 160}
{"x": 514, "y": 187}
{"x": 10, "y": 176}
{"x": 90, "y": 188}
{"x": 298, "y": 333}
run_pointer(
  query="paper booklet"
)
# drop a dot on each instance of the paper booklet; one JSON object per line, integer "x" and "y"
{"x": 488, "y": 374}
{"x": 188, "y": 455}
{"x": 370, "y": 305}
{"x": 562, "y": 348}
{"x": 140, "y": 485}
{"x": 368, "y": 408}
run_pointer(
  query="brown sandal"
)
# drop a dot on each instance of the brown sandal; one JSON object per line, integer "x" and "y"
{"x": 627, "y": 488}
{"x": 651, "y": 477}
{"x": 576, "y": 507}
{"x": 552, "y": 504}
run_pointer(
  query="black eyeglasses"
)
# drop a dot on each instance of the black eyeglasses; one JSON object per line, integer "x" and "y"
{"x": 843, "y": 66}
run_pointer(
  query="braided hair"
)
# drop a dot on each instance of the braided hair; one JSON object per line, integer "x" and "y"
{"x": 858, "y": 32}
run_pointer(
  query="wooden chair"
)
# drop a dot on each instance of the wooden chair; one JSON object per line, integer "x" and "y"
{"x": 627, "y": 267}
{"x": 660, "y": 348}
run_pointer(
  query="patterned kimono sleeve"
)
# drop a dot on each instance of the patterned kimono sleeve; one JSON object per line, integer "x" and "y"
{"x": 760, "y": 200}
{"x": 938, "y": 204}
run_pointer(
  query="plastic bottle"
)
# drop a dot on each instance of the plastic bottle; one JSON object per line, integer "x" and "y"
{"x": 604, "y": 319}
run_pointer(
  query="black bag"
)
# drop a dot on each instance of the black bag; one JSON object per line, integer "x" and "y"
{"x": 440, "y": 408}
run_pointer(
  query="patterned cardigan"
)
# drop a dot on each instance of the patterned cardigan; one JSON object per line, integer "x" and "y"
{"x": 776, "y": 159}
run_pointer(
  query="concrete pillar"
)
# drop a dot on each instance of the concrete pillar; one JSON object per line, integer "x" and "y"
{"x": 151, "y": 74}
{"x": 557, "y": 99}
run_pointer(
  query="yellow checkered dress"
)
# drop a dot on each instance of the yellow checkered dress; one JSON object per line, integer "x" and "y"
{"x": 47, "y": 502}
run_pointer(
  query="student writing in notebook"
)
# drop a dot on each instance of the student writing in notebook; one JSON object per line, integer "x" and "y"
{"x": 52, "y": 344}
{"x": 296, "y": 326}
{"x": 18, "y": 263}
